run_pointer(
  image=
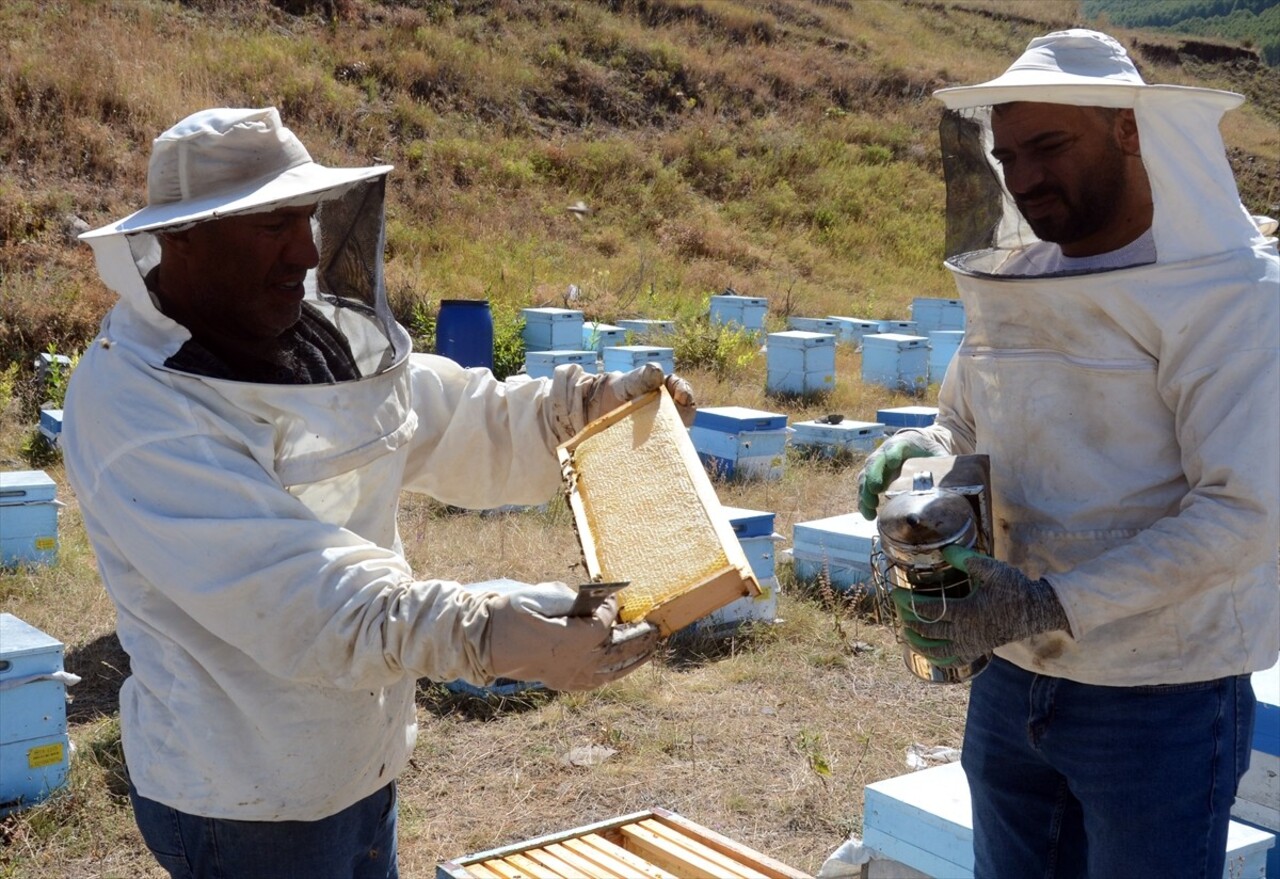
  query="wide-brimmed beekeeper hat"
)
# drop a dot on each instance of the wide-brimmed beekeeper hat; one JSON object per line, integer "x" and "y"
{"x": 1075, "y": 66}
{"x": 229, "y": 161}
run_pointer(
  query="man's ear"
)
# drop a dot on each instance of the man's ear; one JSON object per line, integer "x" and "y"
{"x": 1126, "y": 132}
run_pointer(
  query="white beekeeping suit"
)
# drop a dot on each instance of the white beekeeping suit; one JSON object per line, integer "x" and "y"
{"x": 1132, "y": 415}
{"x": 246, "y": 530}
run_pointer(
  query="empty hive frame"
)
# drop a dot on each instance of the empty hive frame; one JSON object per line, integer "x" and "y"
{"x": 657, "y": 844}
{"x": 646, "y": 513}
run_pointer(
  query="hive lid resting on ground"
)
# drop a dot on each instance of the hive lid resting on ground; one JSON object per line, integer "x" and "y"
{"x": 645, "y": 512}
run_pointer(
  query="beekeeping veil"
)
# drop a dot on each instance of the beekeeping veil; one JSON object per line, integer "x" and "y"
{"x": 223, "y": 162}
{"x": 1197, "y": 209}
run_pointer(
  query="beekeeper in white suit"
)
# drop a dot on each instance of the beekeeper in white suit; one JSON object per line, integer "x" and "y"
{"x": 1120, "y": 369}
{"x": 238, "y": 435}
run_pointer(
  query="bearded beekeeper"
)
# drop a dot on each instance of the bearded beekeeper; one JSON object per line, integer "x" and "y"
{"x": 244, "y": 423}
{"x": 1120, "y": 368}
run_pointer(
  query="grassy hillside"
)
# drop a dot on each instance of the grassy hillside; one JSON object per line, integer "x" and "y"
{"x": 784, "y": 149}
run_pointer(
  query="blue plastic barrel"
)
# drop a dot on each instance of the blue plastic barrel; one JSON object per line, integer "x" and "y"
{"x": 464, "y": 332}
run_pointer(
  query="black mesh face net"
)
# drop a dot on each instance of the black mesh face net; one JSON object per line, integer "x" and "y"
{"x": 347, "y": 286}
{"x": 981, "y": 215}
{"x": 349, "y": 282}
{"x": 975, "y": 195}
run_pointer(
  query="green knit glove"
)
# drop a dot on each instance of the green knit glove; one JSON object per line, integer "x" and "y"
{"x": 885, "y": 463}
{"x": 1003, "y": 606}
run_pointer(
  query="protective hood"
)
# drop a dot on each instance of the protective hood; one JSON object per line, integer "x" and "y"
{"x": 1197, "y": 209}
{"x": 224, "y": 162}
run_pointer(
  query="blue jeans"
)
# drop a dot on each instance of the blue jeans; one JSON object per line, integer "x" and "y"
{"x": 1074, "y": 780}
{"x": 357, "y": 843}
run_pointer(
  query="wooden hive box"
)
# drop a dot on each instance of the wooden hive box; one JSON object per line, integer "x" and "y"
{"x": 646, "y": 513}
{"x": 656, "y": 844}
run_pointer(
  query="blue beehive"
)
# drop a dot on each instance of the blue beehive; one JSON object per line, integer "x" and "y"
{"x": 896, "y": 361}
{"x": 541, "y": 364}
{"x": 28, "y": 518}
{"x": 598, "y": 336}
{"x": 905, "y": 327}
{"x": 1258, "y": 796}
{"x": 551, "y": 329}
{"x": 898, "y": 417}
{"x": 836, "y": 549}
{"x": 35, "y": 753}
{"x": 937, "y": 314}
{"x": 51, "y": 426}
{"x": 924, "y": 821}
{"x": 852, "y": 329}
{"x": 734, "y": 441}
{"x": 816, "y": 325}
{"x": 943, "y": 345}
{"x": 800, "y": 362}
{"x": 647, "y": 327}
{"x": 830, "y": 439}
{"x": 754, "y": 530}
{"x": 746, "y": 312}
{"x": 622, "y": 358}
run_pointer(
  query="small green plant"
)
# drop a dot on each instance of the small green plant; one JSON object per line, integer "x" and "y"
{"x": 720, "y": 348}
{"x": 56, "y": 375}
{"x": 810, "y": 746}
{"x": 8, "y": 380}
{"x": 508, "y": 341}
{"x": 38, "y": 452}
{"x": 422, "y": 326}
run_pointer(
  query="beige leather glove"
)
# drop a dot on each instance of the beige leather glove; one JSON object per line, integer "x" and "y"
{"x": 605, "y": 392}
{"x": 560, "y": 652}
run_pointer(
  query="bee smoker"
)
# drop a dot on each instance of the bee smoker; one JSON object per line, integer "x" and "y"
{"x": 934, "y": 503}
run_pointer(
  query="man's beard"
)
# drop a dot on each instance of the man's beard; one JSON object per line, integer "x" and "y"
{"x": 1090, "y": 209}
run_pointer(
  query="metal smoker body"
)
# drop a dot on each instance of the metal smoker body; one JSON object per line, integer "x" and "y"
{"x": 934, "y": 503}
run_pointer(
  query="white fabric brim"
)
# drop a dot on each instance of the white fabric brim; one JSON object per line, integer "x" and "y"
{"x": 1055, "y": 87}
{"x": 303, "y": 180}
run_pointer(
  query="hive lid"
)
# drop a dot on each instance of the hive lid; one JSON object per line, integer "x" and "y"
{"x": 907, "y": 416}
{"x": 893, "y": 339}
{"x": 845, "y": 523}
{"x": 842, "y": 430}
{"x": 25, "y": 486}
{"x": 749, "y": 523}
{"x": 737, "y": 418}
{"x": 801, "y": 339}
{"x": 551, "y": 312}
{"x": 645, "y": 512}
{"x": 20, "y": 638}
{"x": 733, "y": 298}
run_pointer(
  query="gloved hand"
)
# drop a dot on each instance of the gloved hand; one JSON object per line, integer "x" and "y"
{"x": 1003, "y": 606}
{"x": 603, "y": 393}
{"x": 885, "y": 463}
{"x": 560, "y": 652}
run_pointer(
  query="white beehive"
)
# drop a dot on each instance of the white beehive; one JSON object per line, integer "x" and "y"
{"x": 551, "y": 329}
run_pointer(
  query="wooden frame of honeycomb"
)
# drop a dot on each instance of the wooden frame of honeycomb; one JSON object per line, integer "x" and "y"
{"x": 657, "y": 844}
{"x": 646, "y": 513}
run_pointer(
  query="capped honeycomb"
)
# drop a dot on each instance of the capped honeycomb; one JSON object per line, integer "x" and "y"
{"x": 646, "y": 512}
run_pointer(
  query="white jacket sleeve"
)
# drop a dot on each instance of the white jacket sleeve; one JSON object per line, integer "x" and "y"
{"x": 215, "y": 552}
{"x": 483, "y": 443}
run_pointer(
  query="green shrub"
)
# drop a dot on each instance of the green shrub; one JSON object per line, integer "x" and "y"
{"x": 508, "y": 340}
{"x": 720, "y": 348}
